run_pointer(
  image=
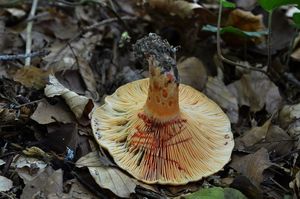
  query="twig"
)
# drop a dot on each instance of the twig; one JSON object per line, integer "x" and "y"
{"x": 219, "y": 47}
{"x": 24, "y": 56}
{"x": 269, "y": 38}
{"x": 29, "y": 31}
{"x": 291, "y": 47}
{"x": 29, "y": 103}
{"x": 89, "y": 28}
{"x": 279, "y": 185}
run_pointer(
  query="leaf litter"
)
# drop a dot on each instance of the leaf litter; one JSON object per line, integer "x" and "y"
{"x": 45, "y": 134}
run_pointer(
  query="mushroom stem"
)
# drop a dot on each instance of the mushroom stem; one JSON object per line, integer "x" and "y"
{"x": 162, "y": 103}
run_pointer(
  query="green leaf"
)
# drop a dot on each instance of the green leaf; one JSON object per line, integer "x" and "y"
{"x": 216, "y": 193}
{"x": 228, "y": 4}
{"x": 270, "y": 5}
{"x": 296, "y": 19}
{"x": 211, "y": 193}
{"x": 233, "y": 30}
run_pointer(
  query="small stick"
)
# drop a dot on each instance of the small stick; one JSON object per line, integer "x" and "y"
{"x": 24, "y": 56}
{"x": 270, "y": 38}
{"x": 11, "y": 57}
{"x": 29, "y": 31}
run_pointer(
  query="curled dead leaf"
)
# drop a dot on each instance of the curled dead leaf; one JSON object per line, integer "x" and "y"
{"x": 108, "y": 177}
{"x": 288, "y": 114}
{"x": 5, "y": 184}
{"x": 174, "y": 7}
{"x": 78, "y": 104}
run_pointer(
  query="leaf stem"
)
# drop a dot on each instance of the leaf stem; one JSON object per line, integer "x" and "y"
{"x": 270, "y": 38}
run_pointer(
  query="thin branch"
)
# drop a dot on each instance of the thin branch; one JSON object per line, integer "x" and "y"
{"x": 24, "y": 56}
{"x": 291, "y": 47}
{"x": 270, "y": 38}
{"x": 29, "y": 31}
{"x": 219, "y": 52}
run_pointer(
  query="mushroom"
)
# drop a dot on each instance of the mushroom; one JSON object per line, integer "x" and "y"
{"x": 161, "y": 131}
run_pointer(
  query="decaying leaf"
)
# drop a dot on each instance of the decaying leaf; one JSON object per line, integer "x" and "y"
{"x": 295, "y": 185}
{"x": 288, "y": 114}
{"x": 252, "y": 165}
{"x": 46, "y": 113}
{"x": 192, "y": 72}
{"x": 2, "y": 162}
{"x": 217, "y": 91}
{"x": 32, "y": 77}
{"x": 77, "y": 191}
{"x": 45, "y": 184}
{"x": 268, "y": 136}
{"x": 108, "y": 177}
{"x": 28, "y": 168}
{"x": 181, "y": 8}
{"x": 256, "y": 91}
{"x": 5, "y": 184}
{"x": 78, "y": 104}
{"x": 88, "y": 78}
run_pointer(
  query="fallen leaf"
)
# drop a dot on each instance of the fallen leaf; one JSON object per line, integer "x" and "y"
{"x": 2, "y": 162}
{"x": 46, "y": 113}
{"x": 253, "y": 136}
{"x": 28, "y": 168}
{"x": 255, "y": 90}
{"x": 78, "y": 104}
{"x": 32, "y": 77}
{"x": 295, "y": 185}
{"x": 192, "y": 72}
{"x": 76, "y": 191}
{"x": 218, "y": 92}
{"x": 108, "y": 177}
{"x": 5, "y": 184}
{"x": 88, "y": 78}
{"x": 216, "y": 193}
{"x": 45, "y": 184}
{"x": 243, "y": 184}
{"x": 268, "y": 136}
{"x": 288, "y": 114}
{"x": 252, "y": 165}
{"x": 175, "y": 7}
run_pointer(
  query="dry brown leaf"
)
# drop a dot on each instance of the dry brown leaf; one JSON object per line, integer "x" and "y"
{"x": 76, "y": 191}
{"x": 296, "y": 54}
{"x": 192, "y": 72}
{"x": 78, "y": 104}
{"x": 217, "y": 91}
{"x": 174, "y": 7}
{"x": 256, "y": 91}
{"x": 295, "y": 185}
{"x": 253, "y": 165}
{"x": 47, "y": 113}
{"x": 288, "y": 114}
{"x": 108, "y": 177}
{"x": 28, "y": 168}
{"x": 246, "y": 21}
{"x": 45, "y": 184}
{"x": 88, "y": 78}
{"x": 268, "y": 136}
{"x": 253, "y": 136}
{"x": 5, "y": 184}
{"x": 32, "y": 77}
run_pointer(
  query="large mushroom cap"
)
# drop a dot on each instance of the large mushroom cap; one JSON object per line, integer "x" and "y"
{"x": 193, "y": 145}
